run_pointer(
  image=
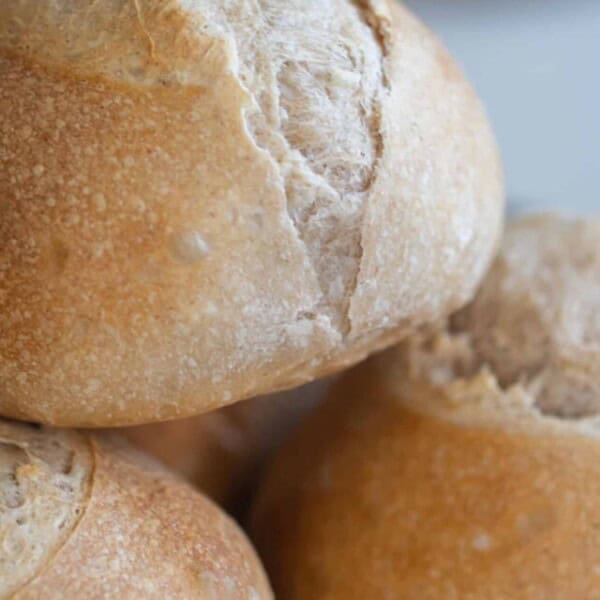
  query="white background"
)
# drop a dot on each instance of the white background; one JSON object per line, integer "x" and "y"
{"x": 536, "y": 64}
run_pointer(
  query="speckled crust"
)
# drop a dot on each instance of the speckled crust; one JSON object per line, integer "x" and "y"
{"x": 142, "y": 533}
{"x": 464, "y": 463}
{"x": 221, "y": 452}
{"x": 204, "y": 201}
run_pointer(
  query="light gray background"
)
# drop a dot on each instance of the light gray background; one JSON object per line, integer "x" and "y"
{"x": 536, "y": 64}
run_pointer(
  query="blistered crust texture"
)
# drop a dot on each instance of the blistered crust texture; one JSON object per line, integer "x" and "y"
{"x": 205, "y": 201}
{"x": 45, "y": 477}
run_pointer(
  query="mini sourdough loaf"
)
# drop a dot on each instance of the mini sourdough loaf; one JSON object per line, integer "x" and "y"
{"x": 222, "y": 451}
{"x": 87, "y": 517}
{"x": 203, "y": 200}
{"x": 463, "y": 465}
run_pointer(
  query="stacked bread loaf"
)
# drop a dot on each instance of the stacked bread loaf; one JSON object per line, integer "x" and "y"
{"x": 206, "y": 201}
{"x": 85, "y": 516}
{"x": 464, "y": 462}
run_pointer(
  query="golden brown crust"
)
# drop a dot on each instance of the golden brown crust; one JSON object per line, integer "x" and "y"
{"x": 177, "y": 234}
{"x": 126, "y": 303}
{"x": 462, "y": 463}
{"x": 372, "y": 498}
{"x": 144, "y": 533}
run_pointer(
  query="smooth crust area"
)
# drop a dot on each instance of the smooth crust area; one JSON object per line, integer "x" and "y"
{"x": 204, "y": 202}
{"x": 222, "y": 451}
{"x": 415, "y": 504}
{"x": 146, "y": 534}
{"x": 45, "y": 479}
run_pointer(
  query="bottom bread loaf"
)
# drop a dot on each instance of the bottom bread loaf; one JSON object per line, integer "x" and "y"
{"x": 221, "y": 452}
{"x": 465, "y": 463}
{"x": 86, "y": 516}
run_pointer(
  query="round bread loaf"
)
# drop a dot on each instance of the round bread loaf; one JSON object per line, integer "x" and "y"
{"x": 205, "y": 200}
{"x": 221, "y": 452}
{"x": 429, "y": 475}
{"x": 85, "y": 516}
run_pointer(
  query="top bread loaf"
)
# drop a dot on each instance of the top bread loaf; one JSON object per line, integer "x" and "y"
{"x": 207, "y": 200}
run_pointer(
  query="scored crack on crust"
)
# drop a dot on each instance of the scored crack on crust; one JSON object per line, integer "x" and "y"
{"x": 148, "y": 534}
{"x": 303, "y": 103}
{"x": 378, "y": 18}
{"x": 45, "y": 483}
{"x": 85, "y": 515}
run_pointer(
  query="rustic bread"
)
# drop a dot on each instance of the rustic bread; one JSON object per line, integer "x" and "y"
{"x": 84, "y": 516}
{"x": 432, "y": 474}
{"x": 205, "y": 201}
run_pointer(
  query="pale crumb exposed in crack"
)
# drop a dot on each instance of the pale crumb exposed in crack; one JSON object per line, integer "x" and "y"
{"x": 535, "y": 323}
{"x": 44, "y": 481}
{"x": 315, "y": 74}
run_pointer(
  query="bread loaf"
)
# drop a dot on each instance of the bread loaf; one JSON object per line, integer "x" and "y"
{"x": 85, "y": 516}
{"x": 205, "y": 201}
{"x": 463, "y": 464}
{"x": 221, "y": 452}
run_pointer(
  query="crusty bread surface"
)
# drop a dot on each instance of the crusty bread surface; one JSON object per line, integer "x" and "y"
{"x": 464, "y": 463}
{"x": 87, "y": 516}
{"x": 205, "y": 201}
